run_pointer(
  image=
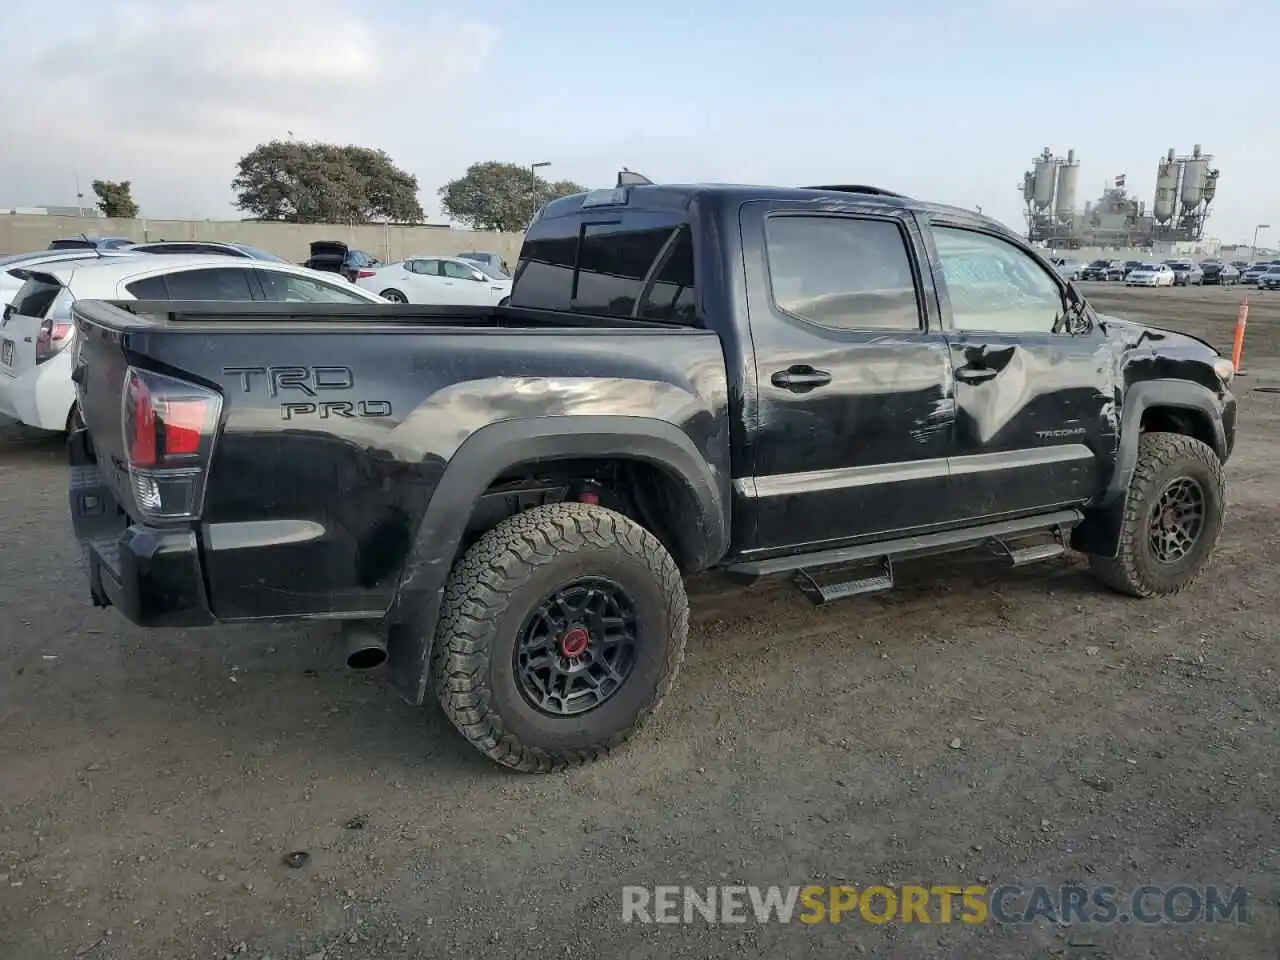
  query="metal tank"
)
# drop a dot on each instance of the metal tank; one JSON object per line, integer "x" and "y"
{"x": 1166, "y": 189}
{"x": 1046, "y": 170}
{"x": 1210, "y": 186}
{"x": 1028, "y": 186}
{"x": 1068, "y": 176}
{"x": 1195, "y": 171}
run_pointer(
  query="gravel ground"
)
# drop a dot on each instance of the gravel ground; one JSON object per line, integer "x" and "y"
{"x": 976, "y": 726}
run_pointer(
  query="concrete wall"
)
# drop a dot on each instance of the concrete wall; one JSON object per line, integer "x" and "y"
{"x": 20, "y": 233}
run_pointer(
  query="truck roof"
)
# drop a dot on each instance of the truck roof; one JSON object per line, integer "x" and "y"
{"x": 683, "y": 196}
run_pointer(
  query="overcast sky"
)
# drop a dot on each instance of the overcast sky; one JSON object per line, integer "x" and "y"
{"x": 947, "y": 101}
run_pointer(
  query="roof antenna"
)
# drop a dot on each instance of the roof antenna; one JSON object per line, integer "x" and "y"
{"x": 92, "y": 246}
{"x": 629, "y": 178}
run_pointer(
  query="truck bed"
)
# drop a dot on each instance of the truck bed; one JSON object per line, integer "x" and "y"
{"x": 339, "y": 425}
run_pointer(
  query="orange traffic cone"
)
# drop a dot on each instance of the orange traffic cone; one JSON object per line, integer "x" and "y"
{"x": 1237, "y": 348}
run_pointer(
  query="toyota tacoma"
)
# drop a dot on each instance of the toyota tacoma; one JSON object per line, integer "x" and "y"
{"x": 503, "y": 503}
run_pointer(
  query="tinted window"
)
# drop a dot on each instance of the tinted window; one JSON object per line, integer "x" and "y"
{"x": 612, "y": 264}
{"x": 36, "y": 296}
{"x": 290, "y": 287}
{"x": 427, "y": 268}
{"x": 672, "y": 297}
{"x": 219, "y": 283}
{"x": 601, "y": 267}
{"x": 842, "y": 272}
{"x": 458, "y": 271}
{"x": 995, "y": 286}
{"x": 71, "y": 245}
{"x": 257, "y": 254}
{"x": 151, "y": 288}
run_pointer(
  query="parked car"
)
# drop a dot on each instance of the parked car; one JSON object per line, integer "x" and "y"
{"x": 1069, "y": 268}
{"x": 36, "y": 328}
{"x": 1097, "y": 270}
{"x": 11, "y": 278}
{"x": 1241, "y": 265}
{"x": 1217, "y": 272}
{"x": 1251, "y": 274}
{"x": 1271, "y": 279}
{"x": 1186, "y": 273}
{"x": 210, "y": 247}
{"x": 334, "y": 256}
{"x": 1132, "y": 265}
{"x": 1118, "y": 269}
{"x": 506, "y": 509}
{"x": 493, "y": 261}
{"x": 436, "y": 280}
{"x": 1150, "y": 275}
{"x": 90, "y": 243}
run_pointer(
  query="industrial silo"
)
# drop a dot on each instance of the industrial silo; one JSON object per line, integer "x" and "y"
{"x": 1028, "y": 187}
{"x": 1046, "y": 170}
{"x": 1068, "y": 176}
{"x": 1166, "y": 189}
{"x": 1194, "y": 173}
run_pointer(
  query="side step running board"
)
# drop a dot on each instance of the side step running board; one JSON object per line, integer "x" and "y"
{"x": 821, "y": 593}
{"x": 1035, "y": 553}
{"x": 924, "y": 544}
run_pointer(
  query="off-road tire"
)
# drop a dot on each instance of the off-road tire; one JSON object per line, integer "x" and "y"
{"x": 1163, "y": 457}
{"x": 490, "y": 593}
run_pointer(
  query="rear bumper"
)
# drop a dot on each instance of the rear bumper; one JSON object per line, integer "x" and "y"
{"x": 41, "y": 397}
{"x": 151, "y": 575}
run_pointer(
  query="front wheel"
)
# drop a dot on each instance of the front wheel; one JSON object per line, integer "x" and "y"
{"x": 1172, "y": 519}
{"x": 395, "y": 296}
{"x": 561, "y": 631}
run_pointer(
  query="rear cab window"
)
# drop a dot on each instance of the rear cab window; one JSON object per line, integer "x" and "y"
{"x": 610, "y": 261}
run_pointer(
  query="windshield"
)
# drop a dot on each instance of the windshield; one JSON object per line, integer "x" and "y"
{"x": 492, "y": 273}
{"x": 257, "y": 254}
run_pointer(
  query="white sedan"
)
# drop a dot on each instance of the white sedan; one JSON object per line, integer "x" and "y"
{"x": 442, "y": 281}
{"x": 1150, "y": 275}
{"x": 36, "y": 328}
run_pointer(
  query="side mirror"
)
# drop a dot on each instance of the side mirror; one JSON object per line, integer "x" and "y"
{"x": 479, "y": 276}
{"x": 8, "y": 312}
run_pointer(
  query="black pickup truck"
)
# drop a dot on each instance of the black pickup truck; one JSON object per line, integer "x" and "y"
{"x": 502, "y": 503}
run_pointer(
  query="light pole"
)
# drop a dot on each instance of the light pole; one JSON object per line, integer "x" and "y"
{"x": 533, "y": 167}
{"x": 1253, "y": 250}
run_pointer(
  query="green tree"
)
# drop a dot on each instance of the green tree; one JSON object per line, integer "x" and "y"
{"x": 324, "y": 183}
{"x": 500, "y": 196}
{"x": 115, "y": 199}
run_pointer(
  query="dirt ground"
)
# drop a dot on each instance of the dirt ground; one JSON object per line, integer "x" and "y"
{"x": 976, "y": 726}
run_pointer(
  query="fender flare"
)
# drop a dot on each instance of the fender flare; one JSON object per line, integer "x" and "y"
{"x": 480, "y": 459}
{"x": 1141, "y": 397}
{"x": 1099, "y": 534}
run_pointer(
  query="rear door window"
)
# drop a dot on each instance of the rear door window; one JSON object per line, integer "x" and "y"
{"x": 218, "y": 283}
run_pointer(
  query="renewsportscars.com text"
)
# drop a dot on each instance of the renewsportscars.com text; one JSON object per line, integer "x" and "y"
{"x": 942, "y": 903}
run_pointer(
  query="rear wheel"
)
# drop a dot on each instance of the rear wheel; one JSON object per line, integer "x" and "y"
{"x": 1172, "y": 520}
{"x": 395, "y": 296}
{"x": 561, "y": 631}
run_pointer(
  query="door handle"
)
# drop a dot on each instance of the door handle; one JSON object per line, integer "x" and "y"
{"x": 800, "y": 378}
{"x": 975, "y": 374}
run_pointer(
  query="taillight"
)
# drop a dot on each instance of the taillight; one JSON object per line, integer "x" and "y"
{"x": 56, "y": 327}
{"x": 364, "y": 274}
{"x": 169, "y": 429}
